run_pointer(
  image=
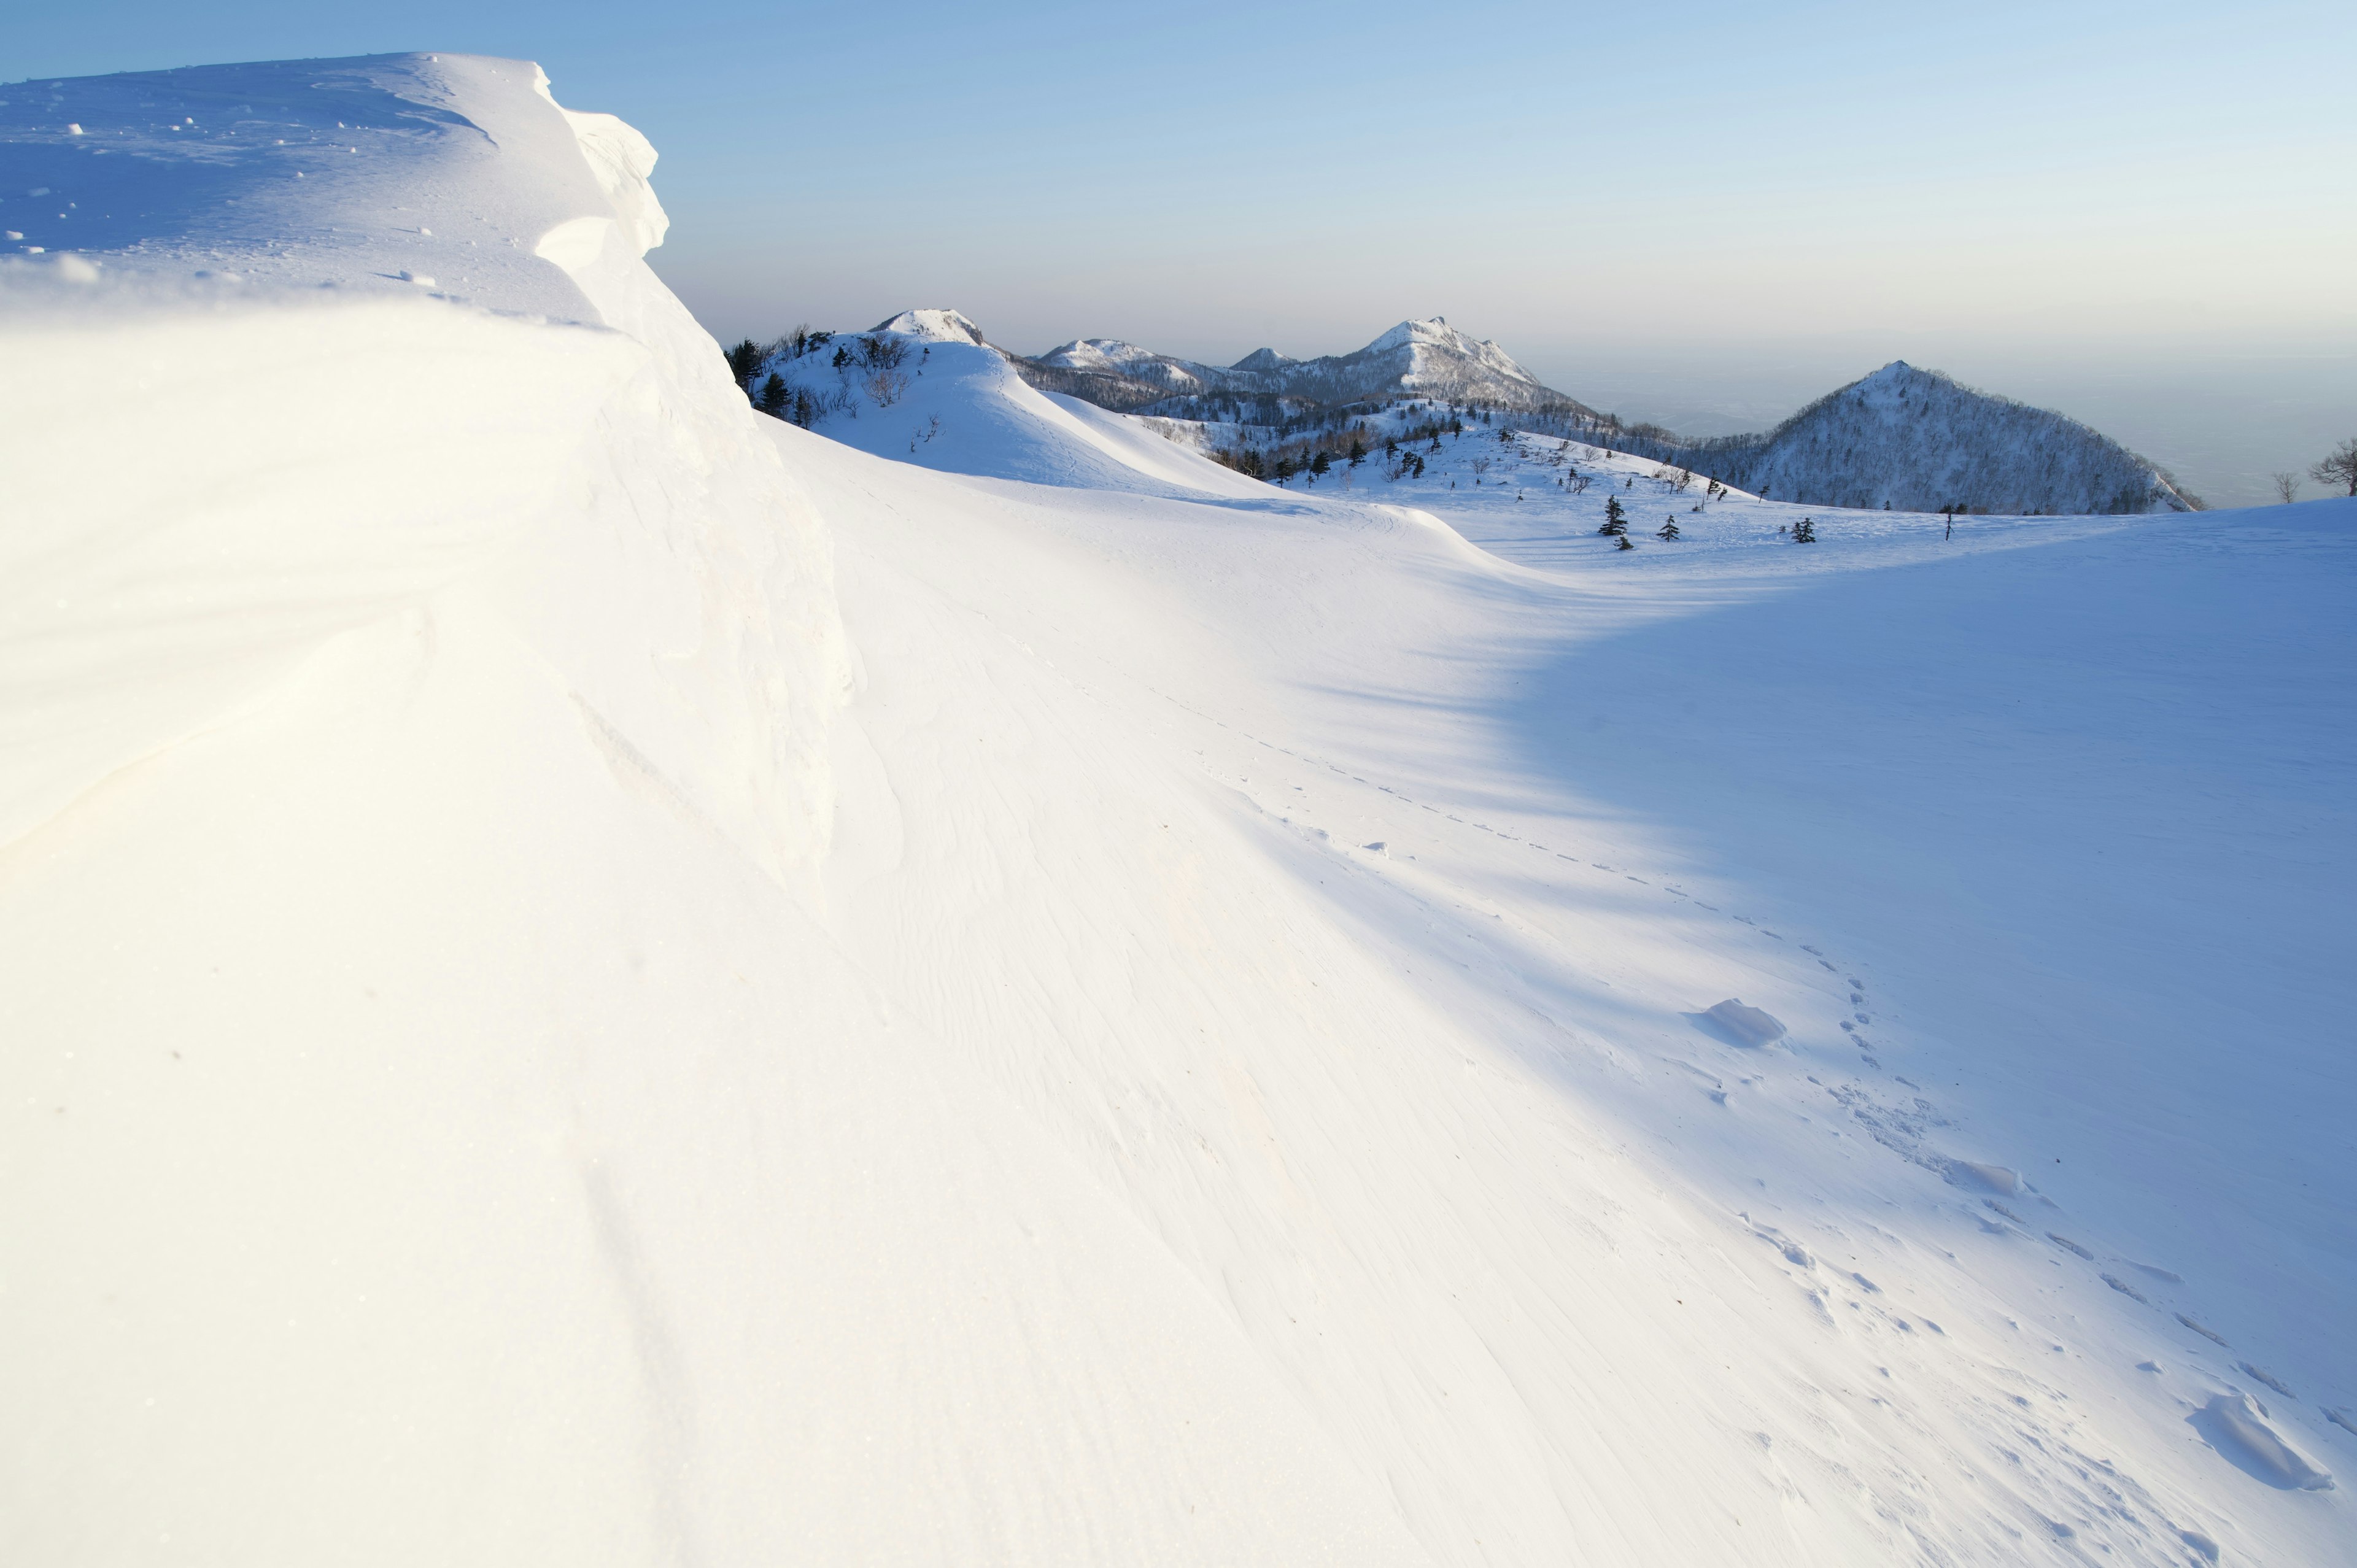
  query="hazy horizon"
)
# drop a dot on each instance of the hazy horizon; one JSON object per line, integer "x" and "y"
{"x": 2126, "y": 213}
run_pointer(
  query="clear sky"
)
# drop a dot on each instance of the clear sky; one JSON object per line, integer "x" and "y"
{"x": 1695, "y": 207}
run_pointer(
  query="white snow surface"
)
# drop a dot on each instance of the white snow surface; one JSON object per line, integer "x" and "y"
{"x": 594, "y": 978}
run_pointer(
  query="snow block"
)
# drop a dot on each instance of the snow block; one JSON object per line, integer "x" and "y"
{"x": 2003, "y": 1180}
{"x": 2234, "y": 1427}
{"x": 1749, "y": 1025}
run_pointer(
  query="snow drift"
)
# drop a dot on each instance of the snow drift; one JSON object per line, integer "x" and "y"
{"x": 439, "y": 1132}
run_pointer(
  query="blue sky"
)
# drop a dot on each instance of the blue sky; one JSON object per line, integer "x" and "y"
{"x": 1610, "y": 191}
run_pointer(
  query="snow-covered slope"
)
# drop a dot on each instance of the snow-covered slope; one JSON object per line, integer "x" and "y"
{"x": 1438, "y": 1107}
{"x": 1918, "y": 441}
{"x": 597, "y": 979}
{"x": 927, "y": 387}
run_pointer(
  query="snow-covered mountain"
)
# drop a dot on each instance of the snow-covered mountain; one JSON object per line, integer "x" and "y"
{"x": 1910, "y": 438}
{"x": 1428, "y": 358}
{"x": 1918, "y": 441}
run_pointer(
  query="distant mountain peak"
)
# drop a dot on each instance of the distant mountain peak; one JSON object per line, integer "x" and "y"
{"x": 933, "y": 326}
{"x": 1430, "y": 330}
{"x": 1265, "y": 360}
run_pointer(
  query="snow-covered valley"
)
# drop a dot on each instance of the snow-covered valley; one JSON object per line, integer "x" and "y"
{"x": 596, "y": 977}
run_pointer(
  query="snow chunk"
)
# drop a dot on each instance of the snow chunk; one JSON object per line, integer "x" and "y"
{"x": 2003, "y": 1180}
{"x": 1749, "y": 1025}
{"x": 2233, "y": 1425}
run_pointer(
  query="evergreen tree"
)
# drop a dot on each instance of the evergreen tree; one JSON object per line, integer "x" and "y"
{"x": 1616, "y": 519}
{"x": 774, "y": 399}
{"x": 743, "y": 360}
{"x": 1320, "y": 465}
{"x": 1667, "y": 530}
{"x": 1622, "y": 540}
{"x": 1805, "y": 532}
{"x": 1358, "y": 451}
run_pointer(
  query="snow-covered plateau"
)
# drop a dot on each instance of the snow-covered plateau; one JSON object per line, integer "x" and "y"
{"x": 594, "y": 977}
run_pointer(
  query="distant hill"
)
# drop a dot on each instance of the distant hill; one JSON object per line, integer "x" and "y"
{"x": 1918, "y": 441}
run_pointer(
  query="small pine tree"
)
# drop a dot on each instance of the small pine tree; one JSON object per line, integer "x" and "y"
{"x": 1622, "y": 540}
{"x": 774, "y": 396}
{"x": 1805, "y": 532}
{"x": 1669, "y": 530}
{"x": 1320, "y": 463}
{"x": 1616, "y": 519}
{"x": 744, "y": 360}
{"x": 1358, "y": 451}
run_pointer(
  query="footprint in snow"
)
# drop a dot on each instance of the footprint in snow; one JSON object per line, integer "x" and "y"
{"x": 2127, "y": 1289}
{"x": 2207, "y": 1333}
{"x": 2268, "y": 1379}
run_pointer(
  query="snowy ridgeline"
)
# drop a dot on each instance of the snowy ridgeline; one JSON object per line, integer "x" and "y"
{"x": 1427, "y": 358}
{"x": 595, "y": 978}
{"x": 1909, "y": 439}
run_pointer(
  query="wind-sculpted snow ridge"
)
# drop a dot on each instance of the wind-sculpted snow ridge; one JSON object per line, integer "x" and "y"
{"x": 1917, "y": 441}
{"x": 440, "y": 1127}
{"x": 594, "y": 978}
